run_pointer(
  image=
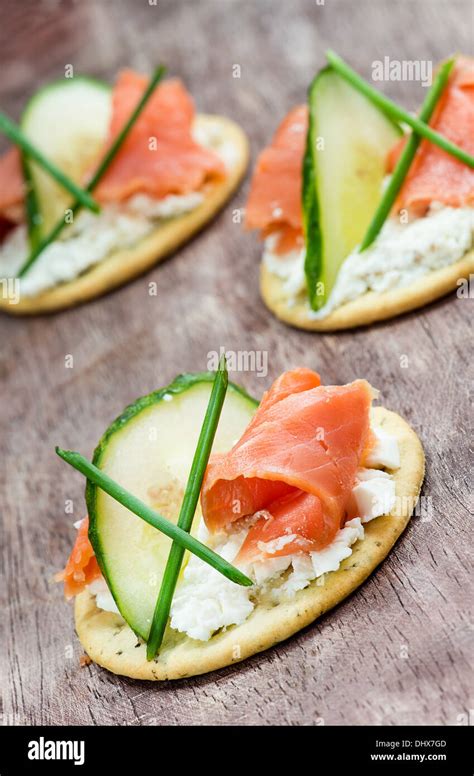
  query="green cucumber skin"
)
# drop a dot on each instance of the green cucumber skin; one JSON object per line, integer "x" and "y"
{"x": 313, "y": 265}
{"x": 180, "y": 384}
{"x": 312, "y": 231}
{"x": 32, "y": 201}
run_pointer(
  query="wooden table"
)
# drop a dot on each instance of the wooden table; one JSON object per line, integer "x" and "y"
{"x": 396, "y": 651}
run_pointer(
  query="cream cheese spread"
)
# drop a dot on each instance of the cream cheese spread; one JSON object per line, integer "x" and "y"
{"x": 401, "y": 254}
{"x": 205, "y": 601}
{"x": 90, "y": 239}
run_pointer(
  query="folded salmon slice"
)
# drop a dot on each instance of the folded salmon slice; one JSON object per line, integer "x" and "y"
{"x": 274, "y": 203}
{"x": 159, "y": 156}
{"x": 293, "y": 524}
{"x": 436, "y": 176}
{"x": 82, "y": 567}
{"x": 295, "y": 463}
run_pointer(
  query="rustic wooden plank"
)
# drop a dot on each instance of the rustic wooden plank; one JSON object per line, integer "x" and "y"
{"x": 397, "y": 650}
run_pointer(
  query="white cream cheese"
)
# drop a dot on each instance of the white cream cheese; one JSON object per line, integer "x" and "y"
{"x": 209, "y": 135}
{"x": 314, "y": 565}
{"x": 401, "y": 254}
{"x": 103, "y": 597}
{"x": 275, "y": 545}
{"x": 384, "y": 453}
{"x": 168, "y": 207}
{"x": 205, "y": 601}
{"x": 90, "y": 239}
{"x": 373, "y": 493}
{"x": 289, "y": 267}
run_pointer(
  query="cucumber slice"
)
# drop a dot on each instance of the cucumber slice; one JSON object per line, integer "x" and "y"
{"x": 149, "y": 450}
{"x": 68, "y": 121}
{"x": 343, "y": 169}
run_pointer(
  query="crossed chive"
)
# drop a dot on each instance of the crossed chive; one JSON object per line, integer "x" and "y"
{"x": 180, "y": 533}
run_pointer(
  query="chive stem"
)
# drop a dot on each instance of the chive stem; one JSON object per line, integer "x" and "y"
{"x": 406, "y": 158}
{"x": 102, "y": 168}
{"x": 119, "y": 140}
{"x": 32, "y": 211}
{"x": 150, "y": 516}
{"x": 14, "y": 133}
{"x": 188, "y": 509}
{"x": 397, "y": 113}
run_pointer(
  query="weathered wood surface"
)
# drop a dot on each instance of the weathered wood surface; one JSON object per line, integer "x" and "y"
{"x": 397, "y": 650}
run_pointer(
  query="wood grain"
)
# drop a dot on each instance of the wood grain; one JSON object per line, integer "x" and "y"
{"x": 396, "y": 651}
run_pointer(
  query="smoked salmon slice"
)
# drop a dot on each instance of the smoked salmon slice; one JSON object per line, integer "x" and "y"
{"x": 436, "y": 176}
{"x": 159, "y": 156}
{"x": 82, "y": 567}
{"x": 294, "y": 467}
{"x": 12, "y": 185}
{"x": 289, "y": 477}
{"x": 274, "y": 202}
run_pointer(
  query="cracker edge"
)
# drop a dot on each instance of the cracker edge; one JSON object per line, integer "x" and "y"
{"x": 113, "y": 645}
{"x": 370, "y": 307}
